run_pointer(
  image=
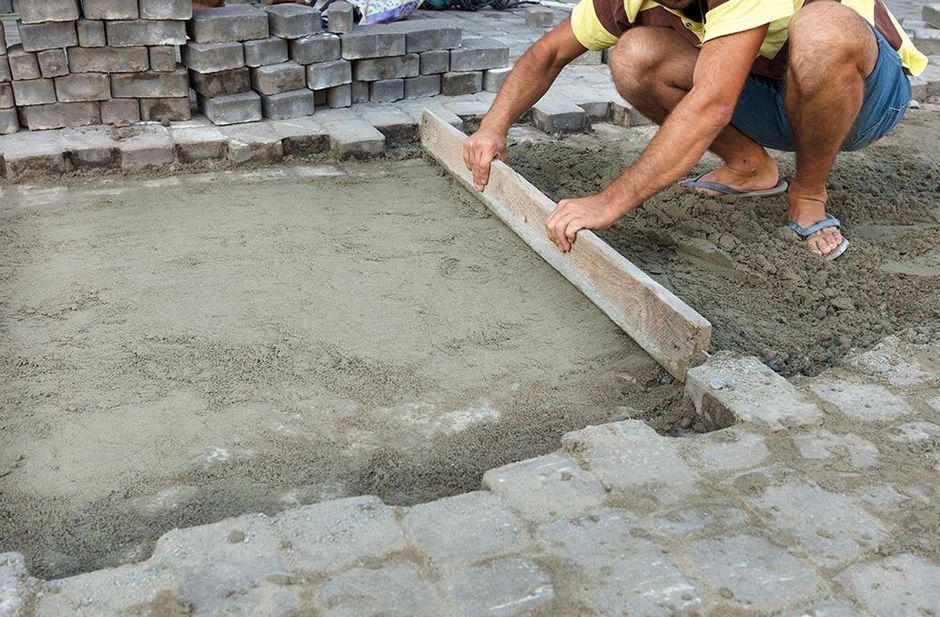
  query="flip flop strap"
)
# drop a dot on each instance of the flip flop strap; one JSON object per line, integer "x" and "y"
{"x": 724, "y": 189}
{"x": 806, "y": 232}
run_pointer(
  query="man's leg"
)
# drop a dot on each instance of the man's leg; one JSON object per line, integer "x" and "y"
{"x": 832, "y": 51}
{"x": 652, "y": 69}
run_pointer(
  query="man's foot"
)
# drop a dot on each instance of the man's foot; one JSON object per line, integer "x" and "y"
{"x": 760, "y": 179}
{"x": 807, "y": 214}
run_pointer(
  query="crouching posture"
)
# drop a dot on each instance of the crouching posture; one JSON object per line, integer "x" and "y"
{"x": 730, "y": 76}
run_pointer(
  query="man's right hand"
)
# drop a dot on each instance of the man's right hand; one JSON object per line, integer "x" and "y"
{"x": 479, "y": 151}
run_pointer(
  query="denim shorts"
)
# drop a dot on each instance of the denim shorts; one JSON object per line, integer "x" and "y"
{"x": 760, "y": 113}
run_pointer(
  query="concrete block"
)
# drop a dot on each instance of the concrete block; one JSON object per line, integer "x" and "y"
{"x": 302, "y": 136}
{"x": 293, "y": 104}
{"x": 469, "y": 111}
{"x": 319, "y": 98}
{"x": 23, "y": 64}
{"x": 199, "y": 143}
{"x": 90, "y": 147}
{"x": 278, "y": 78}
{"x": 39, "y": 11}
{"x": 253, "y": 143}
{"x": 110, "y": 9}
{"x": 231, "y": 109}
{"x": 6, "y": 96}
{"x": 292, "y": 21}
{"x": 223, "y": 83}
{"x": 556, "y": 115}
{"x": 34, "y": 92}
{"x": 60, "y": 115}
{"x": 108, "y": 59}
{"x": 434, "y": 62}
{"x": 902, "y": 584}
{"x": 455, "y": 84}
{"x": 493, "y": 79}
{"x": 339, "y": 96}
{"x": 166, "y": 9}
{"x": 860, "y": 400}
{"x": 163, "y": 58}
{"x": 375, "y": 69}
{"x": 589, "y": 58}
{"x": 120, "y": 112}
{"x": 166, "y": 110}
{"x": 398, "y": 127}
{"x": 373, "y": 41}
{"x": 49, "y": 35}
{"x": 9, "y": 122}
{"x": 52, "y": 62}
{"x": 354, "y": 138}
{"x": 91, "y": 33}
{"x": 927, "y": 40}
{"x": 427, "y": 34}
{"x": 147, "y": 147}
{"x": 79, "y": 87}
{"x": 32, "y": 154}
{"x": 371, "y": 591}
{"x": 262, "y": 52}
{"x": 322, "y": 75}
{"x": 150, "y": 84}
{"x": 360, "y": 92}
{"x": 515, "y": 582}
{"x": 5, "y": 74}
{"x": 478, "y": 54}
{"x": 387, "y": 90}
{"x": 340, "y": 17}
{"x": 422, "y": 86}
{"x": 213, "y": 57}
{"x": 931, "y": 15}
{"x": 237, "y": 22}
{"x": 316, "y": 48}
{"x": 137, "y": 32}
{"x": 538, "y": 16}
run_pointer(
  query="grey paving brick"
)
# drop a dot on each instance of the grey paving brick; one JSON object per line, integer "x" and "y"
{"x": 147, "y": 147}
{"x": 231, "y": 109}
{"x": 387, "y": 90}
{"x": 162, "y": 58}
{"x": 91, "y": 33}
{"x": 455, "y": 84}
{"x": 422, "y": 86}
{"x": 277, "y": 78}
{"x": 302, "y": 136}
{"x": 34, "y": 92}
{"x": 434, "y": 62}
{"x": 166, "y": 9}
{"x": 752, "y": 573}
{"x": 398, "y": 127}
{"x": 900, "y": 364}
{"x": 5, "y": 74}
{"x": 821, "y": 444}
{"x": 862, "y": 401}
{"x": 79, "y": 87}
{"x": 120, "y": 112}
{"x": 324, "y": 75}
{"x": 108, "y": 59}
{"x": 556, "y": 115}
{"x": 478, "y": 54}
{"x": 427, "y": 34}
{"x": 729, "y": 449}
{"x": 261, "y": 52}
{"x": 359, "y": 91}
{"x": 213, "y": 57}
{"x": 90, "y": 147}
{"x": 16, "y": 589}
{"x": 539, "y": 16}
{"x": 252, "y": 143}
{"x": 373, "y": 41}
{"x": 237, "y": 22}
{"x": 931, "y": 15}
{"x": 137, "y": 32}
{"x": 588, "y": 58}
{"x": 7, "y": 101}
{"x": 825, "y": 608}
{"x": 9, "y": 123}
{"x": 110, "y": 9}
{"x": 899, "y": 586}
{"x": 339, "y": 17}
{"x": 927, "y": 40}
{"x": 49, "y": 35}
{"x": 166, "y": 110}
{"x": 39, "y": 11}
{"x": 375, "y": 69}
{"x": 23, "y": 64}
{"x": 150, "y": 84}
{"x": 30, "y": 154}
{"x": 393, "y": 588}
{"x": 339, "y": 96}
{"x": 505, "y": 587}
{"x": 60, "y": 115}
{"x": 198, "y": 143}
{"x": 292, "y": 104}
{"x": 317, "y": 48}
{"x": 52, "y": 62}
{"x": 493, "y": 79}
{"x": 292, "y": 21}
{"x": 694, "y": 520}
{"x": 223, "y": 83}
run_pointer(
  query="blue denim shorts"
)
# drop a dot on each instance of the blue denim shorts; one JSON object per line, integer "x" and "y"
{"x": 760, "y": 113}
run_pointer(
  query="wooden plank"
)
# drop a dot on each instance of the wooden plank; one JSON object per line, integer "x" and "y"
{"x": 665, "y": 326}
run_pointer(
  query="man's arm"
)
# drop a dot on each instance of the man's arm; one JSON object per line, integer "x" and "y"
{"x": 720, "y": 73}
{"x": 524, "y": 86}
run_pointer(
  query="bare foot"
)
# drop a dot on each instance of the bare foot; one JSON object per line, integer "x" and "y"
{"x": 807, "y": 209}
{"x": 744, "y": 176}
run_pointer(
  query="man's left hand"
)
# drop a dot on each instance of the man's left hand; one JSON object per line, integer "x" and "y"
{"x": 573, "y": 215}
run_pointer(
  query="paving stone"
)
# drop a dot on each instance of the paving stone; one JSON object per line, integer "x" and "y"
{"x": 223, "y": 83}
{"x": 931, "y": 15}
{"x": 860, "y": 401}
{"x": 7, "y": 101}
{"x": 292, "y": 21}
{"x": 34, "y": 92}
{"x": 29, "y": 154}
{"x": 162, "y": 58}
{"x": 16, "y": 587}
{"x": 359, "y": 91}
{"x": 48, "y": 35}
{"x": 631, "y": 458}
{"x": 52, "y": 62}
{"x": 821, "y": 444}
{"x": 291, "y": 104}
{"x": 375, "y": 69}
{"x": 539, "y": 16}
{"x": 5, "y": 74}
{"x": 469, "y": 111}
{"x": 882, "y": 496}
{"x": 236, "y": 22}
{"x": 900, "y": 364}
{"x": 339, "y": 96}
{"x": 120, "y": 112}
{"x": 463, "y": 530}
{"x": 231, "y": 109}
{"x": 90, "y": 147}
{"x": 317, "y": 48}
{"x": 927, "y": 40}
{"x": 750, "y": 572}
{"x": 150, "y": 84}
{"x": 322, "y": 75}
{"x": 213, "y": 57}
{"x": 302, "y": 136}
{"x": 373, "y": 41}
{"x": 79, "y": 87}
{"x": 110, "y": 9}
{"x": 39, "y": 11}
{"x": 478, "y": 54}
{"x": 137, "y": 32}
{"x": 395, "y": 588}
{"x": 422, "y": 86}
{"x": 728, "y": 388}
{"x": 434, "y": 62}
{"x": 427, "y": 34}
{"x": 899, "y": 586}
{"x": 277, "y": 78}
{"x": 261, "y": 52}
{"x": 398, "y": 127}
{"x": 23, "y": 64}
{"x": 693, "y": 520}
{"x": 914, "y": 432}
{"x": 501, "y": 588}
{"x": 555, "y": 115}
{"x": 339, "y": 17}
{"x": 198, "y": 143}
{"x": 387, "y": 90}
{"x": 493, "y": 79}
{"x": 166, "y": 110}
{"x": 166, "y": 9}
{"x": 252, "y": 143}
{"x": 617, "y": 569}
{"x": 456, "y": 84}
{"x": 108, "y": 59}
{"x": 149, "y": 147}
{"x": 545, "y": 488}
{"x": 725, "y": 450}
{"x": 825, "y": 608}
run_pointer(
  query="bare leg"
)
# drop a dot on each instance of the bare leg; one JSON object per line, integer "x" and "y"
{"x": 653, "y": 68}
{"x": 832, "y": 50}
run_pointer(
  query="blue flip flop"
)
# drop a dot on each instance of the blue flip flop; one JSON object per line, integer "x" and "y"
{"x": 830, "y": 221}
{"x": 724, "y": 189}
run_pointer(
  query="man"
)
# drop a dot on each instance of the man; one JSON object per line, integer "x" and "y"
{"x": 730, "y": 76}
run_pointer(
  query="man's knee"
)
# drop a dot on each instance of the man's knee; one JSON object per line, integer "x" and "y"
{"x": 635, "y": 60}
{"x": 825, "y": 36}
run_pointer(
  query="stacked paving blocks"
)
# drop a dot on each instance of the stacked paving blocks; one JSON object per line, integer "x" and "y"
{"x": 9, "y": 121}
{"x": 101, "y": 61}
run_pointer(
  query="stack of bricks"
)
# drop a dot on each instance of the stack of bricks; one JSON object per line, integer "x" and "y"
{"x": 9, "y": 122}
{"x": 106, "y": 61}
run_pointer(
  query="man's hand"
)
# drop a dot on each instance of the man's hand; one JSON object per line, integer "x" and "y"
{"x": 479, "y": 151}
{"x": 573, "y": 215}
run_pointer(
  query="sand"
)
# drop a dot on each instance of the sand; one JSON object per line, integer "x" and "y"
{"x": 177, "y": 350}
